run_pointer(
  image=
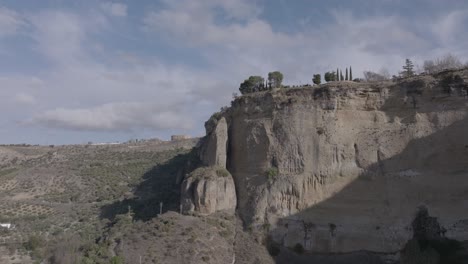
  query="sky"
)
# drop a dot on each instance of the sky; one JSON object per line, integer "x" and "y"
{"x": 74, "y": 71}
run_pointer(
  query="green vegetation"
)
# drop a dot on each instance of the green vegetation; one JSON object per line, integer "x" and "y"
{"x": 71, "y": 210}
{"x": 222, "y": 172}
{"x": 252, "y": 84}
{"x": 272, "y": 174}
{"x": 407, "y": 69}
{"x": 209, "y": 173}
{"x": 7, "y": 172}
{"x": 116, "y": 260}
{"x": 317, "y": 79}
{"x": 257, "y": 84}
{"x": 330, "y": 76}
{"x": 275, "y": 79}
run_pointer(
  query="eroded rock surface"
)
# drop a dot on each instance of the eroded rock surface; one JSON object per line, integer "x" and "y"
{"x": 208, "y": 190}
{"x": 214, "y": 149}
{"x": 344, "y": 167}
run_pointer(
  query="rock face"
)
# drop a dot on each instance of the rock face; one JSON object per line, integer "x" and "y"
{"x": 211, "y": 188}
{"x": 344, "y": 167}
{"x": 214, "y": 151}
{"x": 208, "y": 190}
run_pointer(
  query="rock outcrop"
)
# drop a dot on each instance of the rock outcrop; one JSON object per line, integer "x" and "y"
{"x": 211, "y": 189}
{"x": 344, "y": 167}
{"x": 214, "y": 149}
{"x": 208, "y": 190}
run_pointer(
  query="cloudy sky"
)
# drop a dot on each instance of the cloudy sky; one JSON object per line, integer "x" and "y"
{"x": 74, "y": 71}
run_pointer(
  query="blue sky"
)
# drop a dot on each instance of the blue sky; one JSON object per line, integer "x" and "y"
{"x": 77, "y": 71}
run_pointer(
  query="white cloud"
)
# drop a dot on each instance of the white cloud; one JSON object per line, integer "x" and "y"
{"x": 122, "y": 116}
{"x": 115, "y": 9}
{"x": 93, "y": 83}
{"x": 450, "y": 27}
{"x": 25, "y": 98}
{"x": 196, "y": 24}
{"x": 18, "y": 89}
{"x": 59, "y": 35}
{"x": 10, "y": 21}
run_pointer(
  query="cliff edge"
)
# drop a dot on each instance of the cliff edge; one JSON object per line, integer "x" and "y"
{"x": 344, "y": 167}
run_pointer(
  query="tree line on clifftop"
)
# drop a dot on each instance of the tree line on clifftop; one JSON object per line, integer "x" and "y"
{"x": 275, "y": 79}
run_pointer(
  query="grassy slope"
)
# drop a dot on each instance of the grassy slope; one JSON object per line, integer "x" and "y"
{"x": 69, "y": 196}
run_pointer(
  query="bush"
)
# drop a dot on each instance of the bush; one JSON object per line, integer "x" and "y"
{"x": 116, "y": 260}
{"x": 317, "y": 79}
{"x": 298, "y": 248}
{"x": 445, "y": 63}
{"x": 34, "y": 242}
{"x": 272, "y": 174}
{"x": 222, "y": 172}
{"x": 274, "y": 249}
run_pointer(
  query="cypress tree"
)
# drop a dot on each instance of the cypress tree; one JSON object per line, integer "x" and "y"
{"x": 337, "y": 78}
{"x": 341, "y": 76}
{"x": 346, "y": 74}
{"x": 350, "y": 74}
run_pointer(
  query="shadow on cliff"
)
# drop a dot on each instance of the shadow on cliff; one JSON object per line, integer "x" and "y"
{"x": 161, "y": 184}
{"x": 385, "y": 199}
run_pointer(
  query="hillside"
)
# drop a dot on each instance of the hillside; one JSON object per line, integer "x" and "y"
{"x": 344, "y": 172}
{"x": 72, "y": 193}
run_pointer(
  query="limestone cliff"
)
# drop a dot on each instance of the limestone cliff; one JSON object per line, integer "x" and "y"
{"x": 208, "y": 190}
{"x": 343, "y": 167}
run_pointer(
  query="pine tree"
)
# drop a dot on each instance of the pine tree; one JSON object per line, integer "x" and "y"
{"x": 346, "y": 78}
{"x": 408, "y": 68}
{"x": 350, "y": 74}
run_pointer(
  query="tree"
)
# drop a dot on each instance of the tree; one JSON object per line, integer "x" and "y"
{"x": 251, "y": 85}
{"x": 385, "y": 73}
{"x": 346, "y": 78}
{"x": 408, "y": 69}
{"x": 445, "y": 63}
{"x": 370, "y": 76}
{"x": 326, "y": 76}
{"x": 317, "y": 79}
{"x": 275, "y": 78}
{"x": 337, "y": 75}
{"x": 330, "y": 76}
{"x": 350, "y": 73}
{"x": 341, "y": 76}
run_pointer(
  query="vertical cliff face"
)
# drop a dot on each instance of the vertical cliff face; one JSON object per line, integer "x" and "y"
{"x": 210, "y": 188}
{"x": 344, "y": 167}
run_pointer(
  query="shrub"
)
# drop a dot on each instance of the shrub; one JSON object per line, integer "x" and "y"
{"x": 317, "y": 79}
{"x": 273, "y": 249}
{"x": 222, "y": 172}
{"x": 332, "y": 227}
{"x": 447, "y": 62}
{"x": 116, "y": 260}
{"x": 272, "y": 174}
{"x": 298, "y": 248}
{"x": 252, "y": 84}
